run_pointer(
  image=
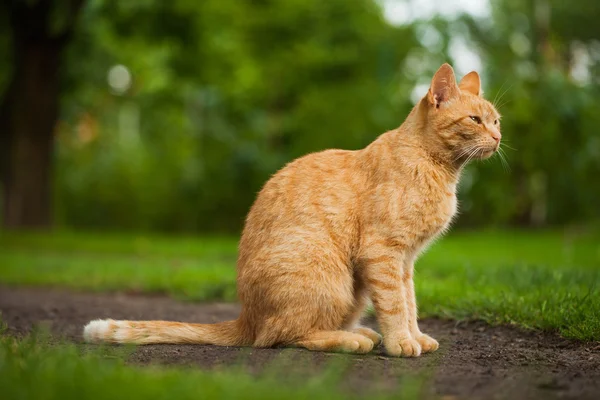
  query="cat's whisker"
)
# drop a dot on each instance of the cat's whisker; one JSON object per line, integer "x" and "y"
{"x": 478, "y": 144}
{"x": 505, "y": 157}
{"x": 501, "y": 154}
{"x": 472, "y": 154}
{"x": 504, "y": 144}
{"x": 464, "y": 152}
{"x": 502, "y": 96}
{"x": 503, "y": 160}
{"x": 478, "y": 150}
{"x": 498, "y": 92}
{"x": 507, "y": 101}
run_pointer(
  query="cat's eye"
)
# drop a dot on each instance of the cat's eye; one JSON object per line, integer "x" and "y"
{"x": 475, "y": 118}
{"x": 495, "y": 122}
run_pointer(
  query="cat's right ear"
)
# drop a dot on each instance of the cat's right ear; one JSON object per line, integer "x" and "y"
{"x": 443, "y": 86}
{"x": 471, "y": 83}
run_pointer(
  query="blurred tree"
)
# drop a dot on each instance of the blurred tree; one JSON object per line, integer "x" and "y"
{"x": 227, "y": 92}
{"x": 219, "y": 94}
{"x": 29, "y": 109}
{"x": 540, "y": 57}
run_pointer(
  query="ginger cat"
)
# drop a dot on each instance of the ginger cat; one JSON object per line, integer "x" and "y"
{"x": 333, "y": 229}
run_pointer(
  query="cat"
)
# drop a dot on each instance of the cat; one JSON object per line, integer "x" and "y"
{"x": 333, "y": 229}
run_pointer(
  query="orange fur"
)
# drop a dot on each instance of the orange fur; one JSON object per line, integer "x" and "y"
{"x": 333, "y": 228}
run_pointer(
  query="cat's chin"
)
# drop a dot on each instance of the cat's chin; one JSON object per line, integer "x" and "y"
{"x": 485, "y": 154}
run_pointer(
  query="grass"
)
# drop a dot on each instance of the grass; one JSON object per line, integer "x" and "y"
{"x": 185, "y": 268}
{"x": 545, "y": 280}
{"x": 32, "y": 369}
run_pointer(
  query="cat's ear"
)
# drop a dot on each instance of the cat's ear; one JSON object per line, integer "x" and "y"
{"x": 471, "y": 83}
{"x": 443, "y": 86}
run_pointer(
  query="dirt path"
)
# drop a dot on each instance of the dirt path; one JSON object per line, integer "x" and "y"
{"x": 474, "y": 361}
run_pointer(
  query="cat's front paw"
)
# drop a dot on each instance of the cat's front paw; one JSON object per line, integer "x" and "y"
{"x": 428, "y": 344}
{"x": 403, "y": 348}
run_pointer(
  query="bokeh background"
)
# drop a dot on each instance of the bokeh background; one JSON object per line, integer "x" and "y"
{"x": 169, "y": 115}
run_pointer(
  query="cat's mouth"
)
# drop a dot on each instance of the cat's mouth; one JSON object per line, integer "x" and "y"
{"x": 478, "y": 151}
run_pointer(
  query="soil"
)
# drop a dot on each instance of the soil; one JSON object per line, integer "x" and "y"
{"x": 475, "y": 360}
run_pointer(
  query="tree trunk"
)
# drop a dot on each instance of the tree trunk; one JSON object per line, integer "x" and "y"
{"x": 29, "y": 112}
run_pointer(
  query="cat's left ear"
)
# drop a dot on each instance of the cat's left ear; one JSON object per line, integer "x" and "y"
{"x": 443, "y": 86}
{"x": 471, "y": 83}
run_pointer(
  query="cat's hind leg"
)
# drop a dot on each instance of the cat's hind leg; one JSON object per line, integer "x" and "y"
{"x": 336, "y": 341}
{"x": 352, "y": 321}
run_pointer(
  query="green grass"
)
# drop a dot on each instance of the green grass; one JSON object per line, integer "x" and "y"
{"x": 545, "y": 280}
{"x": 32, "y": 369}
{"x": 194, "y": 269}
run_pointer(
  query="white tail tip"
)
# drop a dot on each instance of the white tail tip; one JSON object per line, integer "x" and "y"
{"x": 97, "y": 330}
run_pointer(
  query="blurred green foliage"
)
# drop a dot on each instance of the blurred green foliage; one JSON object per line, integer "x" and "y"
{"x": 542, "y": 60}
{"x": 223, "y": 93}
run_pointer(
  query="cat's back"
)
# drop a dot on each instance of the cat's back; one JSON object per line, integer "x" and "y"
{"x": 307, "y": 184}
{"x": 319, "y": 171}
{"x": 313, "y": 194}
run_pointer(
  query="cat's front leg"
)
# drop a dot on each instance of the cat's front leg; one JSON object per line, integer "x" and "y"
{"x": 382, "y": 272}
{"x": 428, "y": 344}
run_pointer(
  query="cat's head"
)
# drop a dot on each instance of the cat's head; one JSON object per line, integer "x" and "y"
{"x": 465, "y": 124}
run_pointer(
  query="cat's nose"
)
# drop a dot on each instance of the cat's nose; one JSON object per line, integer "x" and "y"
{"x": 496, "y": 136}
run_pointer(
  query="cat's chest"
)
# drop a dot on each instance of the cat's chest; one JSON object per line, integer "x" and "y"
{"x": 432, "y": 212}
{"x": 420, "y": 214}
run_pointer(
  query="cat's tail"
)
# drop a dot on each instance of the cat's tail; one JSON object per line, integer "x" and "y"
{"x": 150, "y": 332}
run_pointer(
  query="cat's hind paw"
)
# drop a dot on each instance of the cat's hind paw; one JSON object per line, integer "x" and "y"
{"x": 370, "y": 333}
